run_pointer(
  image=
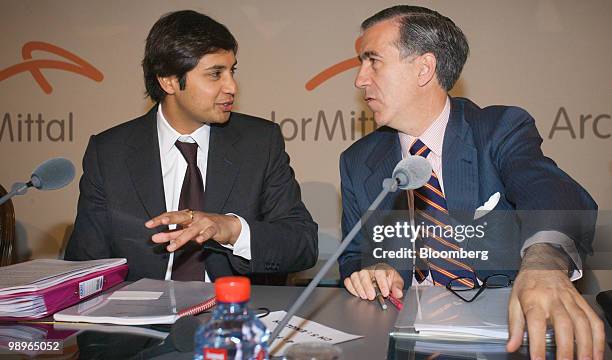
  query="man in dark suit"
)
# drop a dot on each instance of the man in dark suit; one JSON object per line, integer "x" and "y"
{"x": 411, "y": 57}
{"x": 220, "y": 180}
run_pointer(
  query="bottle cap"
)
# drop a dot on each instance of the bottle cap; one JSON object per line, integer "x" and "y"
{"x": 231, "y": 289}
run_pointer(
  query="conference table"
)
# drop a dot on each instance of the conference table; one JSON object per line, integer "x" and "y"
{"x": 332, "y": 307}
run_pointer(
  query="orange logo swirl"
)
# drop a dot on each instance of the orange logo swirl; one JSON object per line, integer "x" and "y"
{"x": 335, "y": 69}
{"x": 77, "y": 65}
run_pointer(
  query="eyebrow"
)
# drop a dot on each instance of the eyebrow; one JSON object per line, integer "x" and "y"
{"x": 221, "y": 67}
{"x": 368, "y": 54}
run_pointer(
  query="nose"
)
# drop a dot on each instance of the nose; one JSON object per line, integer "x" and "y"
{"x": 363, "y": 79}
{"x": 230, "y": 86}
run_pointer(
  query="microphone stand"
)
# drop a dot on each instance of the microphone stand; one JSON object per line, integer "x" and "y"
{"x": 389, "y": 185}
{"x": 16, "y": 189}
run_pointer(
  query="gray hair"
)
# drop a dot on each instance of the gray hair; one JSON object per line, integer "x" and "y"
{"x": 421, "y": 31}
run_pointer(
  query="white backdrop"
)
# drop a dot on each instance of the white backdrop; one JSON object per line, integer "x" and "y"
{"x": 550, "y": 57}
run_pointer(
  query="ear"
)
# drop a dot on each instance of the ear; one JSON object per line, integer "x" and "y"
{"x": 427, "y": 68}
{"x": 169, "y": 84}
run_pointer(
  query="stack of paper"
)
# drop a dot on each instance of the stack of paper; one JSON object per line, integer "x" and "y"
{"x": 433, "y": 312}
{"x": 456, "y": 348}
{"x": 441, "y": 313}
{"x": 25, "y": 288}
{"x": 441, "y": 322}
{"x": 146, "y": 301}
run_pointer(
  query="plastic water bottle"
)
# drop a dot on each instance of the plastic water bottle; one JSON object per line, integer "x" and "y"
{"x": 233, "y": 332}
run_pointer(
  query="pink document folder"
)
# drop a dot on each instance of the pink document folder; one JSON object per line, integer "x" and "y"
{"x": 69, "y": 292}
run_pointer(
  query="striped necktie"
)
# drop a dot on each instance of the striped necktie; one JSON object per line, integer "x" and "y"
{"x": 431, "y": 210}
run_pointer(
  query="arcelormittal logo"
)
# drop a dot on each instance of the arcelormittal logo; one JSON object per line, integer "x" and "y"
{"x": 335, "y": 69}
{"x": 75, "y": 64}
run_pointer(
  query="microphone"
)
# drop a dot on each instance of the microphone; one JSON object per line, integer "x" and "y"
{"x": 53, "y": 174}
{"x": 50, "y": 175}
{"x": 180, "y": 338}
{"x": 410, "y": 173}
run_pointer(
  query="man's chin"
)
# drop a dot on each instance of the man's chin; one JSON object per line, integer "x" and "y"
{"x": 221, "y": 118}
{"x": 380, "y": 120}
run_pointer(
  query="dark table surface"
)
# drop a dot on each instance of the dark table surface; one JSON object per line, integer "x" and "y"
{"x": 329, "y": 306}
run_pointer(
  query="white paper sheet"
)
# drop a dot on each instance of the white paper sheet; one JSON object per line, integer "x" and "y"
{"x": 135, "y": 295}
{"x": 176, "y": 296}
{"x": 300, "y": 330}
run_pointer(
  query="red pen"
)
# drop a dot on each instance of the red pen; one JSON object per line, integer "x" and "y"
{"x": 398, "y": 304}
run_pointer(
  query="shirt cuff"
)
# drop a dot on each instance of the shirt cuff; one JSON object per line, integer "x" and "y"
{"x": 242, "y": 246}
{"x": 559, "y": 240}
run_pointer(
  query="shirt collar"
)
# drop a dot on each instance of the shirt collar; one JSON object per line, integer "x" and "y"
{"x": 168, "y": 135}
{"x": 433, "y": 137}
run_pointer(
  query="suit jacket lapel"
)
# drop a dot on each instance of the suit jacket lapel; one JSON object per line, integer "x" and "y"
{"x": 222, "y": 168}
{"x": 381, "y": 162}
{"x": 459, "y": 163}
{"x": 144, "y": 165}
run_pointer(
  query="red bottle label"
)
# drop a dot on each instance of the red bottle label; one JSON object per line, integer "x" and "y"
{"x": 261, "y": 355}
{"x": 215, "y": 354}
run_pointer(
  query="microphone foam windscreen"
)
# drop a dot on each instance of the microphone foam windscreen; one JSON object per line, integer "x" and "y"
{"x": 53, "y": 174}
{"x": 413, "y": 171}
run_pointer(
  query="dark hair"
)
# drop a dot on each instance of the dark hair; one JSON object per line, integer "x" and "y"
{"x": 175, "y": 45}
{"x": 422, "y": 30}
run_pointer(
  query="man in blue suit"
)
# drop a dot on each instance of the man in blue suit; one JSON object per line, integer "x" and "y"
{"x": 410, "y": 58}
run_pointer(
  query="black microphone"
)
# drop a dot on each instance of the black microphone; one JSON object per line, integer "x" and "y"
{"x": 410, "y": 173}
{"x": 183, "y": 331}
{"x": 50, "y": 175}
{"x": 180, "y": 338}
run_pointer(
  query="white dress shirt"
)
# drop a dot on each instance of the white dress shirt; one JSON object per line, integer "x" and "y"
{"x": 433, "y": 138}
{"x": 174, "y": 166}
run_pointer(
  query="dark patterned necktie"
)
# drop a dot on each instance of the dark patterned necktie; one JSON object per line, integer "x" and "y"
{"x": 430, "y": 209}
{"x": 189, "y": 260}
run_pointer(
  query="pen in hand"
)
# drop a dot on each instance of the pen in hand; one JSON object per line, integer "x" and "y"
{"x": 397, "y": 303}
{"x": 381, "y": 299}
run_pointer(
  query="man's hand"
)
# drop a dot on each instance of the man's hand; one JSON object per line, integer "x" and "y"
{"x": 224, "y": 229}
{"x": 361, "y": 283}
{"x": 543, "y": 294}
